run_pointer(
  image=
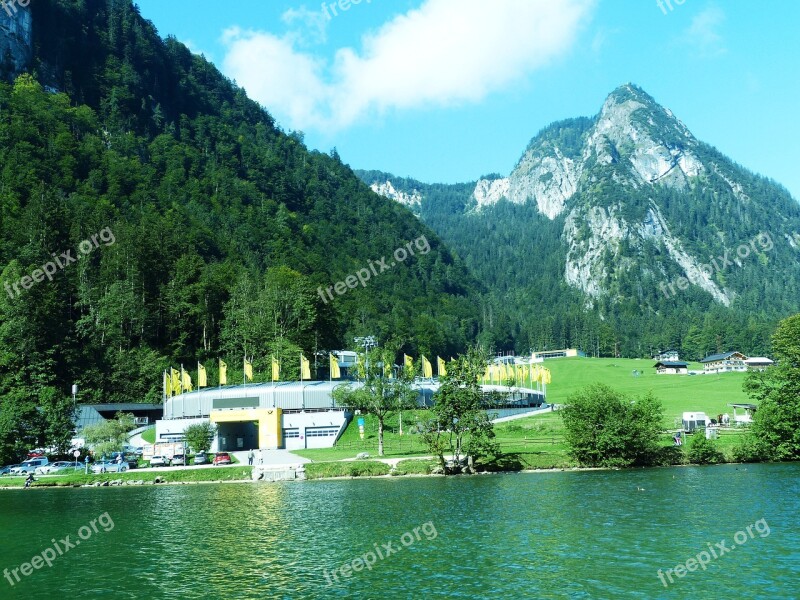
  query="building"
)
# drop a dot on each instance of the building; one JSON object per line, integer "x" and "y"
{"x": 291, "y": 415}
{"x": 724, "y": 363}
{"x": 545, "y": 354}
{"x": 91, "y": 414}
{"x": 668, "y": 367}
{"x": 758, "y": 363}
{"x": 668, "y": 355}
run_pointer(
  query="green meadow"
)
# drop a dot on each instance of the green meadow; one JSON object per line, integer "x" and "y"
{"x": 538, "y": 441}
{"x": 710, "y": 394}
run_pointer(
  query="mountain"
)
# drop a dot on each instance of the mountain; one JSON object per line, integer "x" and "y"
{"x": 189, "y": 226}
{"x": 622, "y": 234}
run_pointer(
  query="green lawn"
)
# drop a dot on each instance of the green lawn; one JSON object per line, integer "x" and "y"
{"x": 149, "y": 435}
{"x": 167, "y": 475}
{"x": 678, "y": 393}
{"x": 538, "y": 441}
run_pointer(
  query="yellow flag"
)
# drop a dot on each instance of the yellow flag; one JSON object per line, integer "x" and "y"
{"x": 546, "y": 376}
{"x": 335, "y": 373}
{"x": 427, "y": 369}
{"x": 202, "y": 380}
{"x": 487, "y": 376}
{"x": 167, "y": 386}
{"x": 440, "y": 368}
{"x": 186, "y": 381}
{"x": 409, "y": 363}
{"x": 305, "y": 368}
{"x": 248, "y": 370}
{"x": 223, "y": 372}
{"x": 176, "y": 381}
{"x": 276, "y": 369}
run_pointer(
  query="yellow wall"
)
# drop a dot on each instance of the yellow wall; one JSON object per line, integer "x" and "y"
{"x": 270, "y": 433}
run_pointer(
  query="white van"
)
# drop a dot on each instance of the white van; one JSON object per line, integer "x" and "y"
{"x": 695, "y": 420}
{"x": 30, "y": 465}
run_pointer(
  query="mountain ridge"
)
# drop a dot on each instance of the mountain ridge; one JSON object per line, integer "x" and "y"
{"x": 635, "y": 201}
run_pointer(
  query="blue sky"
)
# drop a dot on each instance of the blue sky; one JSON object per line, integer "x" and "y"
{"x": 449, "y": 90}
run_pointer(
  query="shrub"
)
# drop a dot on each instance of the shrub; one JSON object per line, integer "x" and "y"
{"x": 703, "y": 451}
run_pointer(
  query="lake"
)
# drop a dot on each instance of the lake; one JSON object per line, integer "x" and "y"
{"x": 592, "y": 534}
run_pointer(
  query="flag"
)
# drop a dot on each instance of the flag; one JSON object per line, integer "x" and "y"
{"x": 427, "y": 369}
{"x": 167, "y": 386}
{"x": 305, "y": 368}
{"x": 176, "y": 381}
{"x": 248, "y": 370}
{"x": 223, "y": 372}
{"x": 276, "y": 369}
{"x": 440, "y": 368}
{"x": 546, "y": 376}
{"x": 202, "y": 380}
{"x": 335, "y": 373}
{"x": 408, "y": 363}
{"x": 487, "y": 376}
{"x": 186, "y": 380}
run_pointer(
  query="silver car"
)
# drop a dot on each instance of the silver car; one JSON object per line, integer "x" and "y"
{"x": 57, "y": 467}
{"x": 109, "y": 467}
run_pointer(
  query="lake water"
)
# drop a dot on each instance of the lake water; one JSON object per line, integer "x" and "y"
{"x": 598, "y": 534}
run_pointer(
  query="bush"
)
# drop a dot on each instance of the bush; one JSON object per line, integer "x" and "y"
{"x": 749, "y": 449}
{"x": 703, "y": 451}
{"x": 605, "y": 428}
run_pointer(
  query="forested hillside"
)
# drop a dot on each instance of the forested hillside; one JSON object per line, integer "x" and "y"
{"x": 213, "y": 229}
{"x": 598, "y": 238}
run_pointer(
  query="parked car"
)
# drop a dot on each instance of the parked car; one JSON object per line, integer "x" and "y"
{"x": 57, "y": 467}
{"x": 35, "y": 454}
{"x": 158, "y": 461}
{"x": 138, "y": 451}
{"x": 201, "y": 458}
{"x": 109, "y": 467}
{"x": 7, "y": 469}
{"x": 178, "y": 459}
{"x": 29, "y": 466}
{"x": 222, "y": 458}
{"x": 127, "y": 458}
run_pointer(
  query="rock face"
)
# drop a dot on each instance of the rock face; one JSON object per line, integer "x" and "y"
{"x": 386, "y": 189}
{"x": 635, "y": 202}
{"x": 16, "y": 37}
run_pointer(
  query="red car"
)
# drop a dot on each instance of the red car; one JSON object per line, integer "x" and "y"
{"x": 35, "y": 454}
{"x": 222, "y": 458}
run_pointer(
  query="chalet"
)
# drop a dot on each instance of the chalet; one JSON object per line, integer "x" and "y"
{"x": 758, "y": 363}
{"x": 668, "y": 355}
{"x": 671, "y": 367}
{"x": 727, "y": 362}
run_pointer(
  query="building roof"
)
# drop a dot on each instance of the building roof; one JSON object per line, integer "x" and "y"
{"x": 672, "y": 364}
{"x": 724, "y": 356}
{"x": 761, "y": 360}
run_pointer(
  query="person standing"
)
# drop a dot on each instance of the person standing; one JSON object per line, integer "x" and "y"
{"x": 250, "y": 456}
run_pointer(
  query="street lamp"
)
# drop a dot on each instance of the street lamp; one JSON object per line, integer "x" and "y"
{"x": 367, "y": 342}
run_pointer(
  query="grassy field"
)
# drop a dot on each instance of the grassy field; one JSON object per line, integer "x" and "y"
{"x": 678, "y": 393}
{"x": 167, "y": 475}
{"x": 538, "y": 441}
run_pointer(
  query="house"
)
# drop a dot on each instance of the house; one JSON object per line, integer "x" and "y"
{"x": 758, "y": 363}
{"x": 727, "y": 362}
{"x": 668, "y": 355}
{"x": 671, "y": 367}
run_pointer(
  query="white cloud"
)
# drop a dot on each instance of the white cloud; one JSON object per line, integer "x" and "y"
{"x": 446, "y": 52}
{"x": 703, "y": 33}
